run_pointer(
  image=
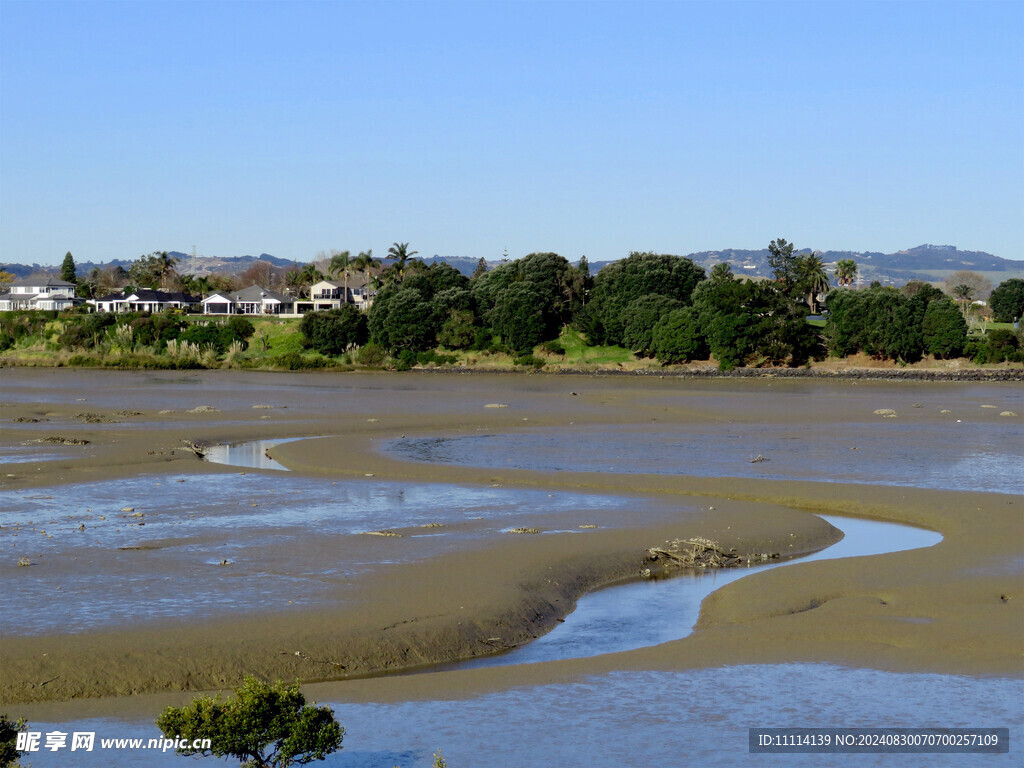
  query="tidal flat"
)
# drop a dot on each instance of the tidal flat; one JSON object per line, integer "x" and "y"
{"x": 386, "y": 546}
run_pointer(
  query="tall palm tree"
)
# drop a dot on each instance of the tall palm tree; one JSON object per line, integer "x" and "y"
{"x": 365, "y": 262}
{"x": 722, "y": 271}
{"x": 341, "y": 262}
{"x": 401, "y": 254}
{"x": 165, "y": 266}
{"x": 811, "y": 275}
{"x": 846, "y": 272}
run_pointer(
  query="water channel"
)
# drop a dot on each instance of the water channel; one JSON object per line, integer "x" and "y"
{"x": 689, "y": 717}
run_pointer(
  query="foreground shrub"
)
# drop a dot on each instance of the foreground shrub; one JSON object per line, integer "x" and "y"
{"x": 335, "y": 331}
{"x": 263, "y": 725}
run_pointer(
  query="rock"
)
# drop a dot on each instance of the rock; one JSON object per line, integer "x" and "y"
{"x": 885, "y": 412}
{"x": 495, "y": 405}
{"x": 1007, "y": 413}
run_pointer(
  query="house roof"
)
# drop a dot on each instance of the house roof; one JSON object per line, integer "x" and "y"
{"x": 257, "y": 293}
{"x": 41, "y": 282}
{"x": 151, "y": 295}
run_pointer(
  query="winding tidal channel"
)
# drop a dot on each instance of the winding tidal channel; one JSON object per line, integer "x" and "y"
{"x": 129, "y": 536}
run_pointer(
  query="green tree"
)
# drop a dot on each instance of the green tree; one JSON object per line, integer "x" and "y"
{"x": 67, "y": 269}
{"x": 341, "y": 263}
{"x": 1007, "y": 300}
{"x": 335, "y": 331}
{"x": 846, "y": 272}
{"x": 943, "y": 329}
{"x": 624, "y": 281}
{"x": 401, "y": 254}
{"x": 403, "y": 318}
{"x": 263, "y": 726}
{"x": 880, "y": 322}
{"x": 6, "y": 278}
{"x": 722, "y": 271}
{"x": 677, "y": 338}
{"x": 811, "y": 278}
{"x": 518, "y": 317}
{"x": 639, "y": 319}
{"x": 783, "y": 262}
{"x": 9, "y": 753}
{"x": 165, "y": 266}
{"x": 547, "y": 274}
{"x": 481, "y": 268}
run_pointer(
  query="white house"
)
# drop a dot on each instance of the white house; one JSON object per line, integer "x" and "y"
{"x": 39, "y": 293}
{"x": 144, "y": 300}
{"x": 331, "y": 294}
{"x": 253, "y": 300}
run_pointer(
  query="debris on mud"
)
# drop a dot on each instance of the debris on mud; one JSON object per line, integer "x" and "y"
{"x": 62, "y": 440}
{"x": 697, "y": 553}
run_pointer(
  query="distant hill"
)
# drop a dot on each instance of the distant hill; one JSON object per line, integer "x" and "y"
{"x": 930, "y": 263}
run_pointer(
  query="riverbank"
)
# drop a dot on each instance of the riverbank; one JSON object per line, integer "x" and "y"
{"x": 908, "y": 611}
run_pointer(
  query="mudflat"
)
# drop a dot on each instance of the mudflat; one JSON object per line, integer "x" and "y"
{"x": 471, "y": 588}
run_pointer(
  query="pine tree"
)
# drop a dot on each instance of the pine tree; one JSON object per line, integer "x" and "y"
{"x": 67, "y": 269}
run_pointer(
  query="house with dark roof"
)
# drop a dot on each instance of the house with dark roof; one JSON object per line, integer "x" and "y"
{"x": 145, "y": 300}
{"x": 39, "y": 293}
{"x": 254, "y": 300}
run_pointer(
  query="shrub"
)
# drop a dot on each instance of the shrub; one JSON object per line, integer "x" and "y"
{"x": 370, "y": 355}
{"x": 335, "y": 331}
{"x": 529, "y": 359}
{"x": 9, "y": 753}
{"x": 264, "y": 725}
{"x": 294, "y": 361}
{"x": 555, "y": 347}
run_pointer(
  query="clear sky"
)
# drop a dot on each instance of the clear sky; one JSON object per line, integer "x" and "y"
{"x": 467, "y": 129}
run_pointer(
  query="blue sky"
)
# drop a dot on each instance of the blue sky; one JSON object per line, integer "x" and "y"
{"x": 467, "y": 129}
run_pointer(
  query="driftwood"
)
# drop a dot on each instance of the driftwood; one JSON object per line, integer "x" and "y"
{"x": 699, "y": 553}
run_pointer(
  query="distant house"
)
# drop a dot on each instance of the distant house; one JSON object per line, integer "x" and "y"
{"x": 331, "y": 294}
{"x": 39, "y": 293}
{"x": 253, "y": 300}
{"x": 145, "y": 300}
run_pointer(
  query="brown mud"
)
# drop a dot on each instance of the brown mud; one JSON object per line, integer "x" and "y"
{"x": 955, "y": 607}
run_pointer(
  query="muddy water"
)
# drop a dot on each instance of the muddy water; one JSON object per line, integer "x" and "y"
{"x": 953, "y": 456}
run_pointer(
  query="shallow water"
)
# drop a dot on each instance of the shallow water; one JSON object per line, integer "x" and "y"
{"x": 145, "y": 542}
{"x": 646, "y": 613}
{"x": 693, "y": 717}
{"x": 980, "y": 455}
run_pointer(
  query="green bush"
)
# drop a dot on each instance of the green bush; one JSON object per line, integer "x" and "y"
{"x": 335, "y": 331}
{"x": 554, "y": 346}
{"x": 263, "y": 725}
{"x": 530, "y": 360}
{"x": 294, "y": 361}
{"x": 6, "y": 341}
{"x": 370, "y": 355}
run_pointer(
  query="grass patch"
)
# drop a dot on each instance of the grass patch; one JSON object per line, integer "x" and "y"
{"x": 577, "y": 351}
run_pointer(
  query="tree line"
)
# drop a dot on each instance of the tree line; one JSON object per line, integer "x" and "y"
{"x": 656, "y": 305}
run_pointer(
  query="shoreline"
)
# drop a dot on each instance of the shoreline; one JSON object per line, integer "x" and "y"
{"x": 910, "y": 611}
